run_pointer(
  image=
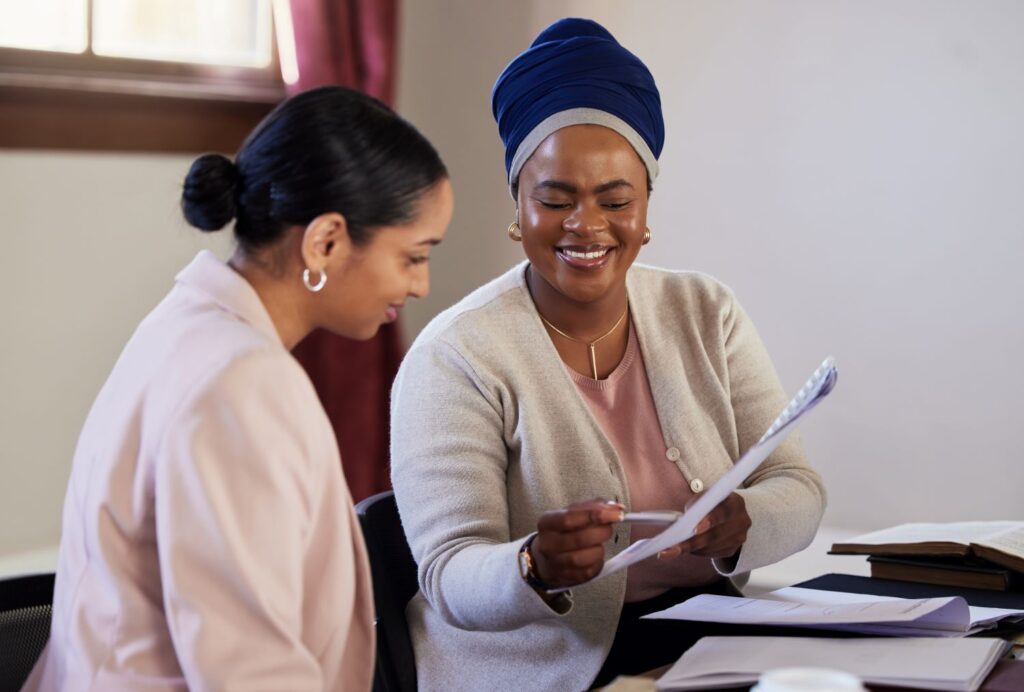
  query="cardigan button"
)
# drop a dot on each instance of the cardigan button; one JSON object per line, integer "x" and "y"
{"x": 696, "y": 485}
{"x": 672, "y": 454}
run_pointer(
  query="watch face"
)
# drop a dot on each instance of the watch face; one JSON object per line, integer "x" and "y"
{"x": 524, "y": 564}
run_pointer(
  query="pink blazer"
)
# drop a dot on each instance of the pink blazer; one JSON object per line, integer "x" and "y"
{"x": 209, "y": 540}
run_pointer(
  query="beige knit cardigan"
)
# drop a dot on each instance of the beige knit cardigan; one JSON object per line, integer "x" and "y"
{"x": 489, "y": 432}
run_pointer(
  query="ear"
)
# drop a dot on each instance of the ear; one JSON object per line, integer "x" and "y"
{"x": 326, "y": 242}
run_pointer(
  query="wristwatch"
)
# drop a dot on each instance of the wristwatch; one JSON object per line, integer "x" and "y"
{"x": 527, "y": 567}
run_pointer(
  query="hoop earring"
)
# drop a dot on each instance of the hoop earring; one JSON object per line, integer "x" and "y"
{"x": 514, "y": 232}
{"x": 647, "y": 236}
{"x": 314, "y": 288}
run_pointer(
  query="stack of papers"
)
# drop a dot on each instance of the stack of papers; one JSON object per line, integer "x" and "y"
{"x": 934, "y": 664}
{"x": 797, "y": 607}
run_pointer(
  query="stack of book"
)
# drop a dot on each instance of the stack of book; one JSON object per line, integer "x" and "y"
{"x": 974, "y": 554}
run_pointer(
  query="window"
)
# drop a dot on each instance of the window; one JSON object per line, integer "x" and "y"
{"x": 157, "y": 75}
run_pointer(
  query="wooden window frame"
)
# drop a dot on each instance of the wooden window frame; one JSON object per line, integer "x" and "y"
{"x": 52, "y": 100}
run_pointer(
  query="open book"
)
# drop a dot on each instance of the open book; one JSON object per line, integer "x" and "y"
{"x": 999, "y": 542}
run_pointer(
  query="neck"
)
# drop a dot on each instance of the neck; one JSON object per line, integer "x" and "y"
{"x": 583, "y": 321}
{"x": 279, "y": 292}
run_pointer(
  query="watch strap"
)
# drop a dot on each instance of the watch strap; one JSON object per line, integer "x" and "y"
{"x": 529, "y": 573}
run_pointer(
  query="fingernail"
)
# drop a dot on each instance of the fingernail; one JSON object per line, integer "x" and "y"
{"x": 613, "y": 515}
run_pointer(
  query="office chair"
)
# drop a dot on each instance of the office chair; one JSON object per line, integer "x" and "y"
{"x": 25, "y": 607}
{"x": 394, "y": 584}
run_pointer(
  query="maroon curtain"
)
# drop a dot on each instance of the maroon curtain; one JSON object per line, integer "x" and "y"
{"x": 351, "y": 43}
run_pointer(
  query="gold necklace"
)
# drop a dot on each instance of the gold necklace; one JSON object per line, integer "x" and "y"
{"x": 590, "y": 344}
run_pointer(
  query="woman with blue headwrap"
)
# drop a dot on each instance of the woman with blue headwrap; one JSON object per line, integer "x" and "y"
{"x": 529, "y": 416}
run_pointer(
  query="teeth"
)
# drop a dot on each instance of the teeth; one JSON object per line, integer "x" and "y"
{"x": 585, "y": 255}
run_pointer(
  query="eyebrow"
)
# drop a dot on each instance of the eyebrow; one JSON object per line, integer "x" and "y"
{"x": 571, "y": 189}
{"x": 612, "y": 185}
{"x": 429, "y": 241}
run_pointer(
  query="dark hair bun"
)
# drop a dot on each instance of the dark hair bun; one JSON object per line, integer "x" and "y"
{"x": 209, "y": 198}
{"x": 326, "y": 150}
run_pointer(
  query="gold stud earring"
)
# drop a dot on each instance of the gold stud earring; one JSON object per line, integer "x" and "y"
{"x": 647, "y": 236}
{"x": 514, "y": 232}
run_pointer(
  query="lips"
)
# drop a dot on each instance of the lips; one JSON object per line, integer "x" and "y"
{"x": 391, "y": 314}
{"x": 585, "y": 257}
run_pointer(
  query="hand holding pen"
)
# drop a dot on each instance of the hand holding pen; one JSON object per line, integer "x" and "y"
{"x": 569, "y": 546}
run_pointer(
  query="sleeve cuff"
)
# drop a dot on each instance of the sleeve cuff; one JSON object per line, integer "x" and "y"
{"x": 560, "y": 603}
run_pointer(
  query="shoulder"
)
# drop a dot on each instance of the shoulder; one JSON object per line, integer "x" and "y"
{"x": 256, "y": 408}
{"x": 246, "y": 377}
{"x": 487, "y": 342}
{"x": 681, "y": 291}
{"x": 492, "y": 309}
{"x": 262, "y": 367}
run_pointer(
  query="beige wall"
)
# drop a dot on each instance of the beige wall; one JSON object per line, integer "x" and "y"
{"x": 450, "y": 53}
{"x": 852, "y": 169}
{"x": 91, "y": 243}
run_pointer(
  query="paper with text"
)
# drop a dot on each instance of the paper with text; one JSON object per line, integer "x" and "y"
{"x": 798, "y": 607}
{"x": 816, "y": 389}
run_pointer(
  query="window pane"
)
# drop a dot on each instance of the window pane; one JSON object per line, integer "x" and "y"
{"x": 218, "y": 32}
{"x": 44, "y": 25}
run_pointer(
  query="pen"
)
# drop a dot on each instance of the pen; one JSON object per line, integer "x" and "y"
{"x": 661, "y": 517}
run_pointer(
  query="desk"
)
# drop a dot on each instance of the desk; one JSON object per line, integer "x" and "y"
{"x": 1007, "y": 676}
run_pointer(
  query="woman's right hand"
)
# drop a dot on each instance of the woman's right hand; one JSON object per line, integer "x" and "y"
{"x": 569, "y": 547}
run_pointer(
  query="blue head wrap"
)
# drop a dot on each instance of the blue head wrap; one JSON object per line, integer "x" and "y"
{"x": 575, "y": 72}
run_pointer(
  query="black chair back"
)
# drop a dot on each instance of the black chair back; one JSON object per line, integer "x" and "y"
{"x": 25, "y": 608}
{"x": 394, "y": 584}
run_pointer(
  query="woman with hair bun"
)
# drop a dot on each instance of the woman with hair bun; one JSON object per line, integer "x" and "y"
{"x": 209, "y": 540}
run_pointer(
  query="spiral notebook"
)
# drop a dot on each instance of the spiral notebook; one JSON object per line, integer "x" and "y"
{"x": 810, "y": 395}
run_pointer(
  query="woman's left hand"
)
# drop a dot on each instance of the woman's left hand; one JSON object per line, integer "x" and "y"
{"x": 719, "y": 535}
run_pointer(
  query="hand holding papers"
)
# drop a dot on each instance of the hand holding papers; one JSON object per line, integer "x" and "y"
{"x": 816, "y": 388}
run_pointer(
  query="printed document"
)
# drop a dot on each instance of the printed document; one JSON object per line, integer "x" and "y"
{"x": 835, "y": 610}
{"x": 816, "y": 388}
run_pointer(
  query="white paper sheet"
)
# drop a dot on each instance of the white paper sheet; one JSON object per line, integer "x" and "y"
{"x": 977, "y": 615}
{"x": 939, "y": 664}
{"x": 798, "y": 607}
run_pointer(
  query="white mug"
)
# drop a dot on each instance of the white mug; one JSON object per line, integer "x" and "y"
{"x": 807, "y": 680}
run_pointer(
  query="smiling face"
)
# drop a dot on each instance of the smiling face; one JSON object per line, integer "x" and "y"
{"x": 375, "y": 280}
{"x": 582, "y": 211}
